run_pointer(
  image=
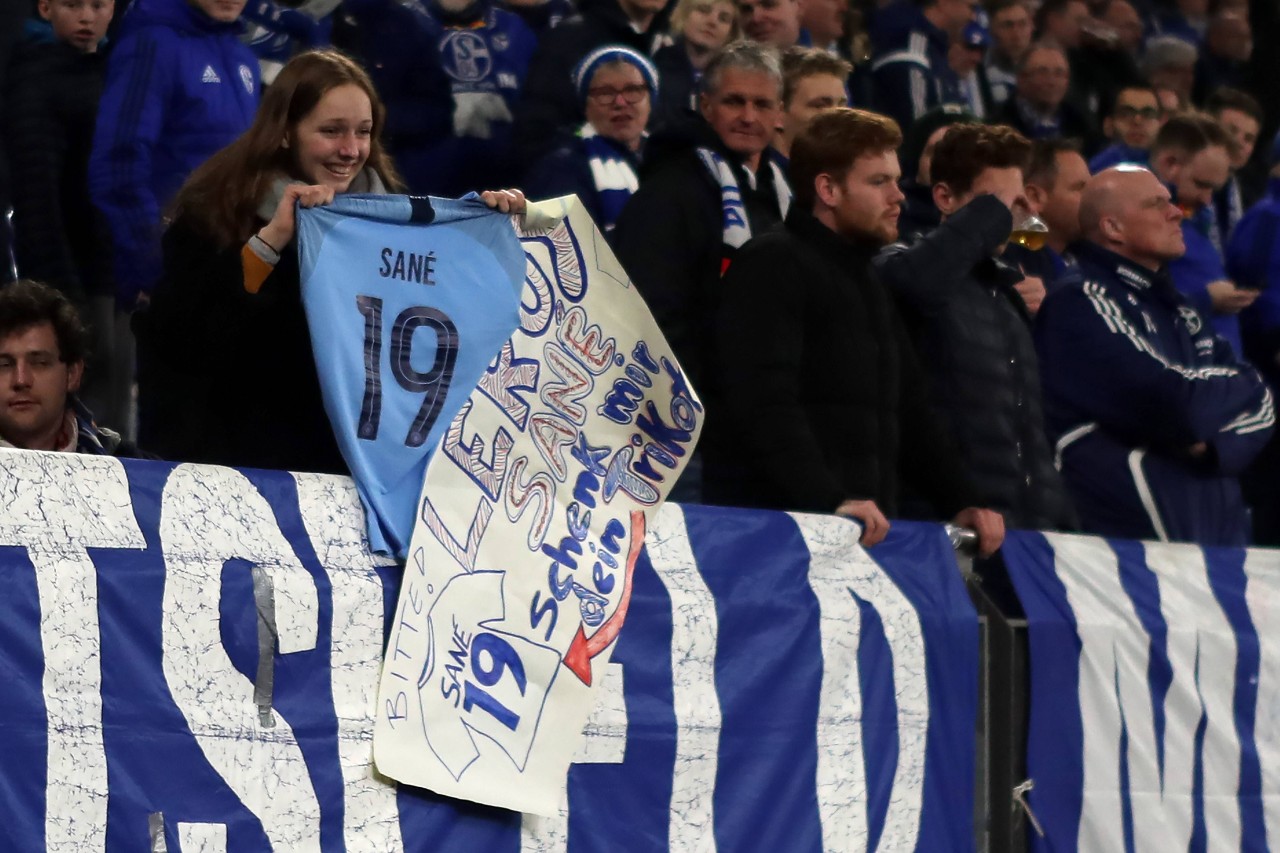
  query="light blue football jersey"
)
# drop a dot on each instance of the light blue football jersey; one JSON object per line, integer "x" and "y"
{"x": 408, "y": 300}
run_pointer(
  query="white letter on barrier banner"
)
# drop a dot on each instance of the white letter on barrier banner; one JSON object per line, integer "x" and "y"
{"x": 840, "y": 569}
{"x": 209, "y": 516}
{"x": 1114, "y": 691}
{"x": 1202, "y": 652}
{"x": 331, "y": 512}
{"x": 56, "y": 506}
{"x": 1262, "y": 595}
{"x": 202, "y": 838}
{"x": 841, "y": 777}
{"x": 694, "y": 629}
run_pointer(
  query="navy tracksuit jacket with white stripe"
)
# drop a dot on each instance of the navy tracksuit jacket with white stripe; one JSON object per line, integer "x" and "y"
{"x": 910, "y": 71}
{"x": 1133, "y": 380}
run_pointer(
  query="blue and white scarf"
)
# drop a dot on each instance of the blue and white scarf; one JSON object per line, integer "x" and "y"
{"x": 613, "y": 173}
{"x": 1228, "y": 209}
{"x": 737, "y": 229}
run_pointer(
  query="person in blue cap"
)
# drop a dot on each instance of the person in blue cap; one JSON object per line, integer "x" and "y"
{"x": 549, "y": 105}
{"x": 599, "y": 163}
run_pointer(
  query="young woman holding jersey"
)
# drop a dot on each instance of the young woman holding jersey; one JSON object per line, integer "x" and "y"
{"x": 226, "y": 373}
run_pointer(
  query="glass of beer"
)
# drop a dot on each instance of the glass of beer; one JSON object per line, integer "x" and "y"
{"x": 1031, "y": 232}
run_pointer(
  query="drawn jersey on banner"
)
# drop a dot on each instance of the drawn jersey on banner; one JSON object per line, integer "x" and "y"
{"x": 1155, "y": 684}
{"x": 407, "y": 300}
{"x": 532, "y": 517}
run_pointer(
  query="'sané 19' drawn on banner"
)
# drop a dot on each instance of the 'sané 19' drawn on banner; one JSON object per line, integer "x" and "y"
{"x": 532, "y": 517}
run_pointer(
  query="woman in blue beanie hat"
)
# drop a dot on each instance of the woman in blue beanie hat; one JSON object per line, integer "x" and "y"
{"x": 617, "y": 87}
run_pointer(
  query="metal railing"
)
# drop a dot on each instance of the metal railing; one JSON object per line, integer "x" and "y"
{"x": 1002, "y": 818}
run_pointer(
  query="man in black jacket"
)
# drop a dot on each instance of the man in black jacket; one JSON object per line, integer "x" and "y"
{"x": 701, "y": 199}
{"x": 972, "y": 329}
{"x": 823, "y": 402}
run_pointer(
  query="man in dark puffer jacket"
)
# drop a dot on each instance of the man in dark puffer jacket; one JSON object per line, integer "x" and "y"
{"x": 972, "y": 329}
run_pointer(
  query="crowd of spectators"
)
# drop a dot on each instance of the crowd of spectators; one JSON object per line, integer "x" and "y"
{"x": 1027, "y": 279}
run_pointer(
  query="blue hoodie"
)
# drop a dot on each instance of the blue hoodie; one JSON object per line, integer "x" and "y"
{"x": 180, "y": 86}
{"x": 451, "y": 83}
{"x": 909, "y": 68}
{"x": 1200, "y": 266}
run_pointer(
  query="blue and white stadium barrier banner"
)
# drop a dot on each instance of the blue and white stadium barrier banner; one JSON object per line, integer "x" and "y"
{"x": 775, "y": 688}
{"x": 1155, "y": 693}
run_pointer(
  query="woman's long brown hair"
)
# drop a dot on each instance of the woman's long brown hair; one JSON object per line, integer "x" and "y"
{"x": 223, "y": 194}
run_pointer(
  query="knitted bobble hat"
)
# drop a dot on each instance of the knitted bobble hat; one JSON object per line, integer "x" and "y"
{"x": 591, "y": 63}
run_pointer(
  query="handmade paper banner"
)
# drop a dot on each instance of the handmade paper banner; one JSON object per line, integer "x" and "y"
{"x": 533, "y": 514}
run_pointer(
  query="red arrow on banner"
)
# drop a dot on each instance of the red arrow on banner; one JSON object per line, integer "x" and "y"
{"x": 584, "y": 648}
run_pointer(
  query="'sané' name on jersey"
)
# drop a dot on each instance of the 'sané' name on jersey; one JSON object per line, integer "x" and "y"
{"x": 408, "y": 266}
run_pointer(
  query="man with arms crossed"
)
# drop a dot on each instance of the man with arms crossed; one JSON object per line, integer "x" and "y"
{"x": 1154, "y": 416}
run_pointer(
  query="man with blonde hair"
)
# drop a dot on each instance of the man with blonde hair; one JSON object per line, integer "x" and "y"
{"x": 812, "y": 81}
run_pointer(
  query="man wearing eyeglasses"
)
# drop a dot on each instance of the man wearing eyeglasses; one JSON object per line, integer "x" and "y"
{"x": 42, "y": 348}
{"x": 1131, "y": 126}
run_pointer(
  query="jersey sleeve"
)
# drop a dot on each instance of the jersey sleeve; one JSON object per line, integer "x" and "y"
{"x": 903, "y": 86}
